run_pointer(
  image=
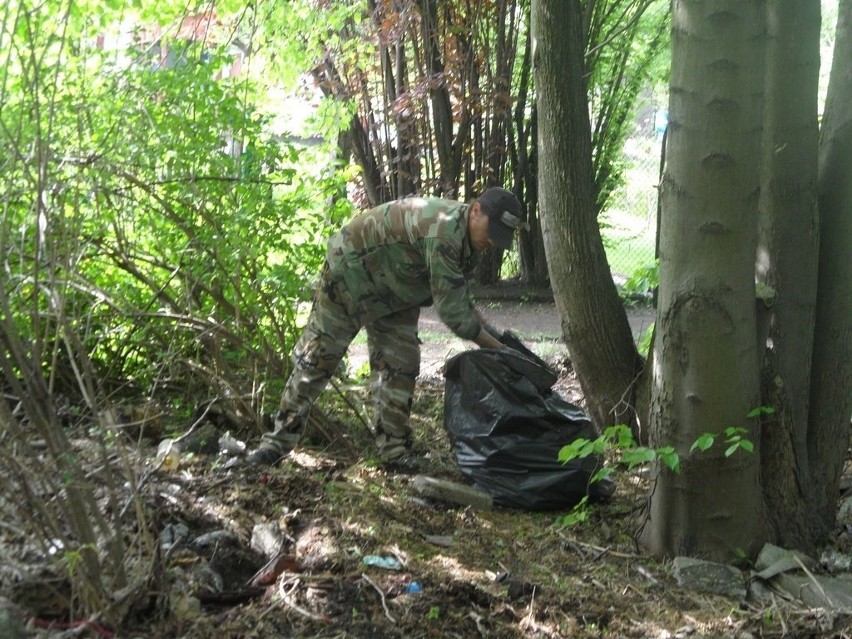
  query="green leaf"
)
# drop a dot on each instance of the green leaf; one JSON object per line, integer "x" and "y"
{"x": 578, "y": 449}
{"x": 760, "y": 410}
{"x": 670, "y": 458}
{"x": 639, "y": 455}
{"x": 704, "y": 442}
{"x": 578, "y": 515}
{"x": 602, "y": 473}
{"x": 625, "y": 437}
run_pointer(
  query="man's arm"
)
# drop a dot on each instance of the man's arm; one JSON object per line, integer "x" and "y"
{"x": 449, "y": 289}
{"x": 451, "y": 295}
{"x": 486, "y": 326}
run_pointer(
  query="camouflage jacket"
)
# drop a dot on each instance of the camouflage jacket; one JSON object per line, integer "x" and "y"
{"x": 411, "y": 252}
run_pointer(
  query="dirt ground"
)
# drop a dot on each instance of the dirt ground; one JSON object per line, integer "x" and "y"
{"x": 329, "y": 544}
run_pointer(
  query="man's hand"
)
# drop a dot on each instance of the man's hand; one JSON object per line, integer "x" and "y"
{"x": 486, "y": 340}
{"x": 493, "y": 332}
{"x": 487, "y": 328}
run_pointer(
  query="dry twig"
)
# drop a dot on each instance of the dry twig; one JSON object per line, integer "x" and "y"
{"x": 382, "y": 595}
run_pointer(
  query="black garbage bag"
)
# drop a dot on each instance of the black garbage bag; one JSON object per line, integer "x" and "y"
{"x": 506, "y": 426}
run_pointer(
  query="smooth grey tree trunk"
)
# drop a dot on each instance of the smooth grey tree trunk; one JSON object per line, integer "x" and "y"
{"x": 787, "y": 259}
{"x": 594, "y": 322}
{"x": 706, "y": 361}
{"x": 831, "y": 375}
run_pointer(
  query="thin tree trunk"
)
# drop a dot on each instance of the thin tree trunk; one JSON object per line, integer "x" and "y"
{"x": 501, "y": 101}
{"x": 594, "y": 322}
{"x": 442, "y": 114}
{"x": 523, "y": 154}
{"x": 356, "y": 139}
{"x": 405, "y": 162}
{"x": 499, "y": 125}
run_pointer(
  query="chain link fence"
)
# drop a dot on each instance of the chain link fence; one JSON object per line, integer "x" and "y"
{"x": 629, "y": 224}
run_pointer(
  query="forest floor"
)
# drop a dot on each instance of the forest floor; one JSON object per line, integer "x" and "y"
{"x": 328, "y": 544}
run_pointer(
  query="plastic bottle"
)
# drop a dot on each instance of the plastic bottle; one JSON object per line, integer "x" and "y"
{"x": 168, "y": 455}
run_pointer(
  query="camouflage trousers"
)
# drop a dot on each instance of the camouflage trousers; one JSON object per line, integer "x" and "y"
{"x": 394, "y": 351}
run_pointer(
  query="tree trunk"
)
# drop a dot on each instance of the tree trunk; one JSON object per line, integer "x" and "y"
{"x": 532, "y": 253}
{"x": 831, "y": 374}
{"x": 501, "y": 100}
{"x": 525, "y": 170}
{"x": 499, "y": 124}
{"x": 594, "y": 323}
{"x": 355, "y": 140}
{"x": 442, "y": 113}
{"x": 358, "y": 140}
{"x": 706, "y": 375}
{"x": 787, "y": 253}
{"x": 406, "y": 168}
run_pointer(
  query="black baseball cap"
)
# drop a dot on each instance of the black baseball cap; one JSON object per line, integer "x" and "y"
{"x": 504, "y": 215}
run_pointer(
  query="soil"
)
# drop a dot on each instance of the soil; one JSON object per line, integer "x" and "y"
{"x": 356, "y": 551}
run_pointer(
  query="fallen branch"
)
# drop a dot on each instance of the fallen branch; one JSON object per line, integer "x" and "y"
{"x": 381, "y": 594}
{"x": 608, "y": 551}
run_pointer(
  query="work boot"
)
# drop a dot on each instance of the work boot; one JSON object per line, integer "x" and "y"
{"x": 264, "y": 457}
{"x": 391, "y": 447}
{"x": 276, "y": 445}
{"x": 408, "y": 464}
{"x": 396, "y": 454}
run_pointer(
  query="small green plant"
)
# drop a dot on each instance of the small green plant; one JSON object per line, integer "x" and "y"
{"x": 733, "y": 436}
{"x": 434, "y": 613}
{"x": 760, "y": 411}
{"x": 742, "y": 560}
{"x": 363, "y": 372}
{"x": 74, "y": 557}
{"x": 767, "y": 618}
{"x": 510, "y": 265}
{"x": 578, "y": 515}
{"x": 619, "y": 439}
{"x": 332, "y": 490}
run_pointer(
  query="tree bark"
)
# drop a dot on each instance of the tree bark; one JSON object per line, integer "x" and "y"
{"x": 501, "y": 100}
{"x": 525, "y": 172}
{"x": 594, "y": 322}
{"x": 442, "y": 114}
{"x": 406, "y": 166}
{"x": 706, "y": 373}
{"x": 786, "y": 267}
{"x": 499, "y": 123}
{"x": 831, "y": 374}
